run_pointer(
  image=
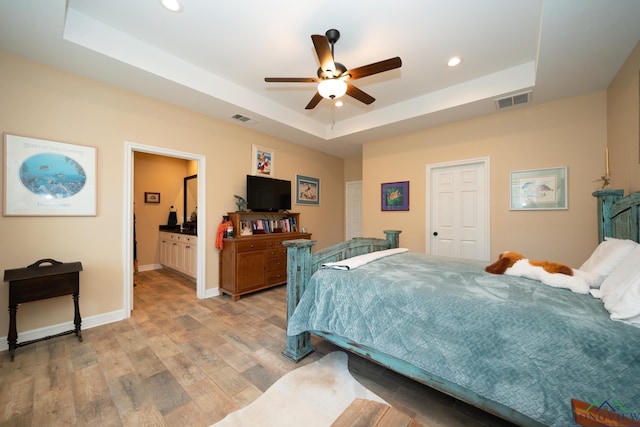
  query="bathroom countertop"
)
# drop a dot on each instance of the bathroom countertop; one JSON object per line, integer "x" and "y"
{"x": 176, "y": 229}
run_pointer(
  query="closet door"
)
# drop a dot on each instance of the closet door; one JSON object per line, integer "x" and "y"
{"x": 459, "y": 210}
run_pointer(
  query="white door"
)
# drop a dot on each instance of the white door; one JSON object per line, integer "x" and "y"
{"x": 458, "y": 224}
{"x": 353, "y": 194}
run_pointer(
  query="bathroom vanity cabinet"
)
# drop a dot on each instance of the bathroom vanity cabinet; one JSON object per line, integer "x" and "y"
{"x": 178, "y": 251}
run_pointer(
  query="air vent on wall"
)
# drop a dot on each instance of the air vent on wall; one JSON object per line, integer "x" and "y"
{"x": 513, "y": 100}
{"x": 243, "y": 119}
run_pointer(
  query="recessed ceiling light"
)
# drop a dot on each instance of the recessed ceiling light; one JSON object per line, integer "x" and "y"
{"x": 339, "y": 104}
{"x": 455, "y": 61}
{"x": 172, "y": 5}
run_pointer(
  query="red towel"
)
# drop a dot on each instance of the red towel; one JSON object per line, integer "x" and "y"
{"x": 222, "y": 229}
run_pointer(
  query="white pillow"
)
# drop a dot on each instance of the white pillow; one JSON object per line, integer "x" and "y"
{"x": 607, "y": 256}
{"x": 620, "y": 291}
{"x": 592, "y": 280}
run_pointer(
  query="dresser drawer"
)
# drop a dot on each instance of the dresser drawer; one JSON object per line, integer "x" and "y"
{"x": 280, "y": 252}
{"x": 250, "y": 246}
{"x": 277, "y": 276}
{"x": 273, "y": 243}
{"x": 272, "y": 264}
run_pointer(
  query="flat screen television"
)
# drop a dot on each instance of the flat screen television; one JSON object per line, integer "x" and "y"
{"x": 268, "y": 194}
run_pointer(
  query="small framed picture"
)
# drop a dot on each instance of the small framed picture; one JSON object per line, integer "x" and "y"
{"x": 263, "y": 161}
{"x": 307, "y": 190}
{"x": 395, "y": 196}
{"x": 539, "y": 189}
{"x": 151, "y": 197}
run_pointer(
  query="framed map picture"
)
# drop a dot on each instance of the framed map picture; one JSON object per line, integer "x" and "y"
{"x": 48, "y": 178}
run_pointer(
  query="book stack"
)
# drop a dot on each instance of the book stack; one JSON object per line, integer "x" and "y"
{"x": 267, "y": 226}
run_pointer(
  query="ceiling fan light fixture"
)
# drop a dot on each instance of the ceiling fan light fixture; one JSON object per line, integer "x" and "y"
{"x": 332, "y": 88}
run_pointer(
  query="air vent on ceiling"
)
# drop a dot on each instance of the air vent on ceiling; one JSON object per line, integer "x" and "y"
{"x": 243, "y": 119}
{"x": 513, "y": 100}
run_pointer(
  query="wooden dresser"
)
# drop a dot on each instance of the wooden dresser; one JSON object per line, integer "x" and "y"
{"x": 255, "y": 262}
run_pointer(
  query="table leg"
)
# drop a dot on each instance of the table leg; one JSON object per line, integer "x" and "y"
{"x": 77, "y": 320}
{"x": 12, "y": 337}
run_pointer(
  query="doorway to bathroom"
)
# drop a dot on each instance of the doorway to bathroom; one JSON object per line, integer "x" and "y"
{"x": 131, "y": 150}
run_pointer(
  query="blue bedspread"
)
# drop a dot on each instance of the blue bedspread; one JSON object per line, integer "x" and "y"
{"x": 512, "y": 340}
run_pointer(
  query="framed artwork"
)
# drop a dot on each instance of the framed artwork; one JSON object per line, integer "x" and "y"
{"x": 307, "y": 190}
{"x": 263, "y": 161}
{"x": 539, "y": 189}
{"x": 48, "y": 178}
{"x": 151, "y": 197}
{"x": 395, "y": 196}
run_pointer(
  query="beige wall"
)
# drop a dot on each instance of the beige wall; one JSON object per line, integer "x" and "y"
{"x": 623, "y": 129}
{"x": 44, "y": 102}
{"x": 570, "y": 132}
{"x": 353, "y": 168}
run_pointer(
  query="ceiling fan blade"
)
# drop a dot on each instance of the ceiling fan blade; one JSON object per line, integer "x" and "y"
{"x": 314, "y": 101}
{"x": 358, "y": 94}
{"x": 291, "y": 79}
{"x": 375, "y": 68}
{"x": 324, "y": 53}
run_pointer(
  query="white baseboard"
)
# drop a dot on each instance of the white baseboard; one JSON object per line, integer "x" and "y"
{"x": 87, "y": 323}
{"x": 213, "y": 292}
{"x": 149, "y": 267}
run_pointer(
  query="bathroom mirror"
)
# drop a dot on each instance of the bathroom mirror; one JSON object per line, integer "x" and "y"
{"x": 190, "y": 196}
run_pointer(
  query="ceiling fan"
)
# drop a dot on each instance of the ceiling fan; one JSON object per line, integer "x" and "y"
{"x": 333, "y": 77}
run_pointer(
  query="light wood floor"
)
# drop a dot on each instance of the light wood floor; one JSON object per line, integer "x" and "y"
{"x": 180, "y": 361}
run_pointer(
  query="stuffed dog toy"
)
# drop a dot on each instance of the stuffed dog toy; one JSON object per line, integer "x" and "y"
{"x": 548, "y": 273}
{"x": 508, "y": 259}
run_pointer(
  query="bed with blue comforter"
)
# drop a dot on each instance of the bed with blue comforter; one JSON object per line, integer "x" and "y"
{"x": 509, "y": 345}
{"x": 512, "y": 341}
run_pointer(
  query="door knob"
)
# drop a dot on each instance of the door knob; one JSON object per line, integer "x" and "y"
{"x": 435, "y": 233}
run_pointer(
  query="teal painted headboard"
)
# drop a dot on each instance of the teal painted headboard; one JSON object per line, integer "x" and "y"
{"x": 618, "y": 216}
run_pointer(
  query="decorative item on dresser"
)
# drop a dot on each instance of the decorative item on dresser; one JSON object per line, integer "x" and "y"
{"x": 256, "y": 261}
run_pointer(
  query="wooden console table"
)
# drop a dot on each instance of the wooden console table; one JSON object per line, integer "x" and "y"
{"x": 46, "y": 278}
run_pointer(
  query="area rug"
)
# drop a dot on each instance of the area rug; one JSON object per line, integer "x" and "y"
{"x": 313, "y": 395}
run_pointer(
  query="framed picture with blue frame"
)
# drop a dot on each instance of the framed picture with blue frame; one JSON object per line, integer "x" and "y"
{"x": 395, "y": 196}
{"x": 307, "y": 190}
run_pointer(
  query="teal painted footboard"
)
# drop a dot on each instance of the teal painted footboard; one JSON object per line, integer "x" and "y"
{"x": 301, "y": 264}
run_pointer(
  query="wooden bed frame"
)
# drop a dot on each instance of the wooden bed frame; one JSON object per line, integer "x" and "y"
{"x": 617, "y": 217}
